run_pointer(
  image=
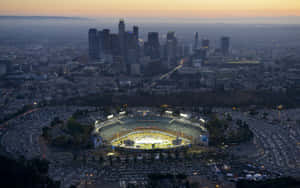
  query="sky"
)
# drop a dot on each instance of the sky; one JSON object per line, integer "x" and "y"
{"x": 152, "y": 8}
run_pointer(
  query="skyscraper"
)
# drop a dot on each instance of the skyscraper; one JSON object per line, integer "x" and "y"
{"x": 106, "y": 41}
{"x": 171, "y": 35}
{"x": 225, "y": 43}
{"x": 132, "y": 56}
{"x": 130, "y": 40}
{"x": 100, "y": 43}
{"x": 152, "y": 46}
{"x": 171, "y": 46}
{"x": 93, "y": 44}
{"x": 196, "y": 41}
{"x": 115, "y": 44}
{"x": 131, "y": 48}
{"x": 136, "y": 32}
{"x": 187, "y": 50}
{"x": 122, "y": 39}
{"x": 200, "y": 54}
{"x": 205, "y": 43}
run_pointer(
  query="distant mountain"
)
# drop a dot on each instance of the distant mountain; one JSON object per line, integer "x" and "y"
{"x": 43, "y": 17}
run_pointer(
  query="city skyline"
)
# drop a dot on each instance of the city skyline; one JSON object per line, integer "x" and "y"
{"x": 154, "y": 8}
{"x": 150, "y": 94}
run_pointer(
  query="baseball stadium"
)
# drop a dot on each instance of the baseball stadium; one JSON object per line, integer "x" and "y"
{"x": 149, "y": 131}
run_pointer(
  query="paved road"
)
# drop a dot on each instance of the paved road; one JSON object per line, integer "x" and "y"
{"x": 168, "y": 74}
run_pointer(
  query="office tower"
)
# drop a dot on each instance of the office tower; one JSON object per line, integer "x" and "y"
{"x": 187, "y": 50}
{"x": 152, "y": 46}
{"x": 196, "y": 41}
{"x": 171, "y": 46}
{"x": 93, "y": 44}
{"x": 225, "y": 43}
{"x": 122, "y": 39}
{"x": 205, "y": 43}
{"x": 131, "y": 42}
{"x": 132, "y": 56}
{"x": 136, "y": 32}
{"x": 132, "y": 50}
{"x": 180, "y": 50}
{"x": 100, "y": 44}
{"x": 200, "y": 54}
{"x": 115, "y": 44}
{"x": 171, "y": 35}
{"x": 106, "y": 43}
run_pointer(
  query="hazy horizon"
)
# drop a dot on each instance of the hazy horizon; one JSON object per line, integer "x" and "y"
{"x": 66, "y": 30}
{"x": 282, "y": 20}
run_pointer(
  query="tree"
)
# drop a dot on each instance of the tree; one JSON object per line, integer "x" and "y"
{"x": 55, "y": 121}
{"x": 45, "y": 132}
{"x": 228, "y": 117}
{"x": 25, "y": 174}
{"x": 216, "y": 129}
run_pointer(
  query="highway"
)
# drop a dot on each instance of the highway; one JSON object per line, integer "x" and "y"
{"x": 168, "y": 74}
{"x": 24, "y": 114}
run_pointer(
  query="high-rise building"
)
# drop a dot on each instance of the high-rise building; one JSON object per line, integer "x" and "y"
{"x": 100, "y": 44}
{"x": 225, "y": 44}
{"x": 153, "y": 38}
{"x": 187, "y": 50}
{"x": 132, "y": 56}
{"x": 200, "y": 54}
{"x": 106, "y": 45}
{"x": 152, "y": 46}
{"x": 196, "y": 41}
{"x": 93, "y": 44}
{"x": 136, "y": 32}
{"x": 171, "y": 46}
{"x": 122, "y": 39}
{"x": 131, "y": 42}
{"x": 171, "y": 35}
{"x": 205, "y": 43}
{"x": 131, "y": 48}
{"x": 115, "y": 44}
{"x": 106, "y": 41}
{"x": 180, "y": 49}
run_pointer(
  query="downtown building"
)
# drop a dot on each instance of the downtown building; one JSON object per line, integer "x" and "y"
{"x": 122, "y": 47}
{"x": 225, "y": 45}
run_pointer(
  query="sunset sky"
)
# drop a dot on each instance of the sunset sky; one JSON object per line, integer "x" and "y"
{"x": 152, "y": 8}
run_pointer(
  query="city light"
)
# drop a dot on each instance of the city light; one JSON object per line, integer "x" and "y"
{"x": 110, "y": 116}
{"x": 152, "y": 93}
